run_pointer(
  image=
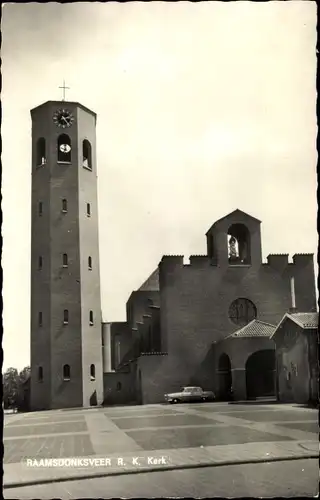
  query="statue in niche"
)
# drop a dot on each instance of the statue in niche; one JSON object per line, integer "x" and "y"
{"x": 243, "y": 252}
{"x": 233, "y": 249}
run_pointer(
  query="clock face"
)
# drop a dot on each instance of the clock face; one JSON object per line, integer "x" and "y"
{"x": 63, "y": 118}
{"x": 65, "y": 148}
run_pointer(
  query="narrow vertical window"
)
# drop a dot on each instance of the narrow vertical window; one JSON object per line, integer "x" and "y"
{"x": 91, "y": 318}
{"x": 40, "y": 208}
{"x": 119, "y": 386}
{"x": 88, "y": 209}
{"x": 90, "y": 263}
{"x": 92, "y": 372}
{"x": 65, "y": 317}
{"x": 40, "y": 374}
{"x": 40, "y": 263}
{"x": 86, "y": 154}
{"x": 64, "y": 205}
{"x": 65, "y": 260}
{"x": 66, "y": 372}
{"x": 64, "y": 149}
{"x": 40, "y": 318}
{"x": 41, "y": 151}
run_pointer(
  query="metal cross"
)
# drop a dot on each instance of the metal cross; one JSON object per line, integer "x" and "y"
{"x": 64, "y": 90}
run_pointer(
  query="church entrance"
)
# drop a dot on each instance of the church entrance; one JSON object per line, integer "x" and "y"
{"x": 225, "y": 378}
{"x": 260, "y": 374}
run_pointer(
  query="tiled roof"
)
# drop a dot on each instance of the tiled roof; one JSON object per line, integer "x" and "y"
{"x": 305, "y": 320}
{"x": 152, "y": 283}
{"x": 255, "y": 328}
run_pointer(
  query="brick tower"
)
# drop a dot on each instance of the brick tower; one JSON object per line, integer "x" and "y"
{"x": 66, "y": 351}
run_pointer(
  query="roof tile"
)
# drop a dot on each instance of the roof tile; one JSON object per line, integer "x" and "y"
{"x": 255, "y": 328}
{"x": 306, "y": 320}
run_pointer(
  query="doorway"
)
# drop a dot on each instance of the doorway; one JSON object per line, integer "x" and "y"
{"x": 260, "y": 374}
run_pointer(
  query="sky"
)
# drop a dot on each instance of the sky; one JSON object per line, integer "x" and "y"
{"x": 202, "y": 108}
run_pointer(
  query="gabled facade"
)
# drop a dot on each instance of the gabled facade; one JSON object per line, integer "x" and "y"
{"x": 217, "y": 294}
{"x": 297, "y": 362}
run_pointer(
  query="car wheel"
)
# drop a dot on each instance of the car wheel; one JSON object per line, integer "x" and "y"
{"x": 175, "y": 401}
{"x": 204, "y": 399}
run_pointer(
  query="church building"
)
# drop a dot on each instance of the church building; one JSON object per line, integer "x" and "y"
{"x": 210, "y": 322}
{"x": 206, "y": 323}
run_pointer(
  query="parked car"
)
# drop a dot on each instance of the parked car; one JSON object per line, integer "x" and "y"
{"x": 189, "y": 394}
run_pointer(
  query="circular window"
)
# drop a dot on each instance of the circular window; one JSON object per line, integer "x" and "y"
{"x": 242, "y": 311}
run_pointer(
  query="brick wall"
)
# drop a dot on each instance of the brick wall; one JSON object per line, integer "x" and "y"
{"x": 90, "y": 278}
{"x": 138, "y": 305}
{"x": 142, "y": 311}
{"x": 74, "y": 287}
{"x": 195, "y": 301}
{"x": 120, "y": 332}
{"x": 293, "y": 369}
{"x": 119, "y": 388}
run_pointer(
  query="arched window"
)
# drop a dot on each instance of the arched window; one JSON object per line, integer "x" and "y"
{"x": 65, "y": 260}
{"x": 90, "y": 263}
{"x": 64, "y": 148}
{"x": 40, "y": 374}
{"x": 40, "y": 263}
{"x": 239, "y": 245}
{"x": 242, "y": 311}
{"x": 92, "y": 372}
{"x": 40, "y": 208}
{"x": 65, "y": 317}
{"x": 64, "y": 205}
{"x": 86, "y": 154}
{"x": 66, "y": 372}
{"x": 119, "y": 386}
{"x": 41, "y": 151}
{"x": 88, "y": 210}
{"x": 91, "y": 318}
{"x": 40, "y": 318}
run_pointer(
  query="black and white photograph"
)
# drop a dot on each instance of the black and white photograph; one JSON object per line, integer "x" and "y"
{"x": 159, "y": 203}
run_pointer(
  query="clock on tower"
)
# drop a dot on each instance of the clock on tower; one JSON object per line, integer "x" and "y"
{"x": 66, "y": 350}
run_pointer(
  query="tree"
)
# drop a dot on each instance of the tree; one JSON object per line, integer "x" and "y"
{"x": 16, "y": 388}
{"x": 23, "y": 401}
{"x": 24, "y": 374}
{"x": 10, "y": 387}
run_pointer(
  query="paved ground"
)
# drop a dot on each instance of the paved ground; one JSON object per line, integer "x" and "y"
{"x": 181, "y": 436}
{"x": 291, "y": 479}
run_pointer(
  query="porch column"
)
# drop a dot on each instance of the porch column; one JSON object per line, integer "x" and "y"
{"x": 106, "y": 349}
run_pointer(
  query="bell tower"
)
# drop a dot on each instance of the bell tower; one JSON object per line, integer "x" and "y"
{"x": 235, "y": 240}
{"x": 66, "y": 348}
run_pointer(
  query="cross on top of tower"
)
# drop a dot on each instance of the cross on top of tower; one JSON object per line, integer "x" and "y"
{"x": 64, "y": 90}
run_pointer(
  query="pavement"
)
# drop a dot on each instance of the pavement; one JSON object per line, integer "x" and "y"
{"x": 295, "y": 479}
{"x": 136, "y": 440}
